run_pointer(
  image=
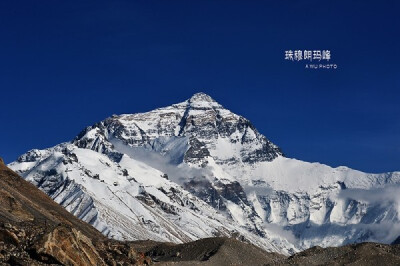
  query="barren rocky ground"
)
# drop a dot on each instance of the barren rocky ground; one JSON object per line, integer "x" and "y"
{"x": 225, "y": 251}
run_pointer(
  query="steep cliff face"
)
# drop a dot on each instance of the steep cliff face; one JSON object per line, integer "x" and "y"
{"x": 195, "y": 169}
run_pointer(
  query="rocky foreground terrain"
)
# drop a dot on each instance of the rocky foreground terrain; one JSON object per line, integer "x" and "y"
{"x": 34, "y": 230}
{"x": 227, "y": 251}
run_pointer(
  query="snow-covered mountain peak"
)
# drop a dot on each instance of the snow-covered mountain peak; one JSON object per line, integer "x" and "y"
{"x": 201, "y": 96}
{"x": 202, "y": 100}
{"x": 198, "y": 130}
{"x": 195, "y": 169}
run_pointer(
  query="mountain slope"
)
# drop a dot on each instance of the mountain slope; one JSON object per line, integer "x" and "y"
{"x": 195, "y": 170}
{"x": 34, "y": 230}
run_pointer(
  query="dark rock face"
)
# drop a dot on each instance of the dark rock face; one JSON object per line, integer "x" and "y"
{"x": 152, "y": 201}
{"x": 267, "y": 153}
{"x": 30, "y": 156}
{"x": 203, "y": 189}
{"x": 96, "y": 138}
{"x": 213, "y": 122}
{"x": 197, "y": 152}
{"x": 233, "y": 192}
{"x": 34, "y": 230}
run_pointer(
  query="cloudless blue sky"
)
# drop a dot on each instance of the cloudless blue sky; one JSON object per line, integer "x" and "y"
{"x": 65, "y": 65}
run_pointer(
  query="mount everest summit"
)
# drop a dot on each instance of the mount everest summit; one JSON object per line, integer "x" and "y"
{"x": 195, "y": 169}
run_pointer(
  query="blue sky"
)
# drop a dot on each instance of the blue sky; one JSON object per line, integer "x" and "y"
{"x": 65, "y": 65}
